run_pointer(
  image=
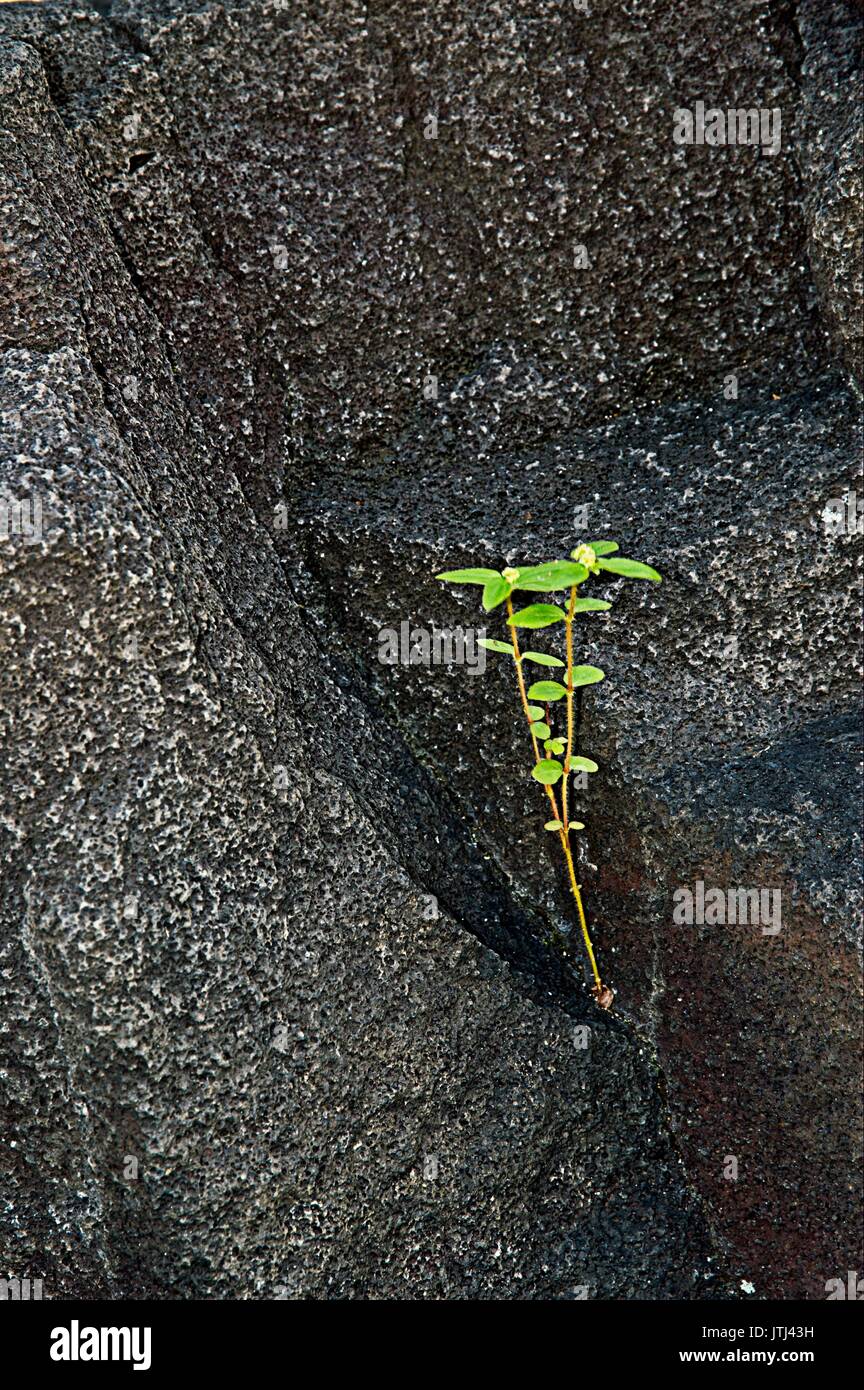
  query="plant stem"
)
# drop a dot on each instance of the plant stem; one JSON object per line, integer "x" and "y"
{"x": 523, "y": 693}
{"x": 568, "y": 628}
{"x": 568, "y": 854}
{"x": 602, "y": 995}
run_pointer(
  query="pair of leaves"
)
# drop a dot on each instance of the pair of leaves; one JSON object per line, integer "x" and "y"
{"x": 550, "y": 770}
{"x": 549, "y": 691}
{"x": 538, "y": 579}
{"x": 541, "y": 658}
{"x": 545, "y": 614}
{"x": 495, "y": 586}
{"x": 556, "y": 825}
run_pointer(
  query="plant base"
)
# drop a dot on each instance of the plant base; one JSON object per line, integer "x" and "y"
{"x": 604, "y": 995}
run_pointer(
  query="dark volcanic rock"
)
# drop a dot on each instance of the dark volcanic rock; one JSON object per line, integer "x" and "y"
{"x": 247, "y": 1052}
{"x": 285, "y": 1009}
{"x": 832, "y": 158}
{"x": 236, "y": 986}
{"x": 317, "y": 260}
{"x": 728, "y": 734}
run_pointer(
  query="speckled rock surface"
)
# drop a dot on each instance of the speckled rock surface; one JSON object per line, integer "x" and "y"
{"x": 832, "y": 159}
{"x": 728, "y": 731}
{"x": 317, "y": 259}
{"x": 280, "y": 1019}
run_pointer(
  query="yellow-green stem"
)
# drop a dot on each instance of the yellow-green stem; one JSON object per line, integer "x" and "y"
{"x": 568, "y": 627}
{"x": 568, "y": 854}
{"x": 563, "y": 833}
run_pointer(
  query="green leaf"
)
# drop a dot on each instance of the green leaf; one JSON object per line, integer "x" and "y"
{"x": 630, "y": 569}
{"x": 575, "y": 825}
{"x": 535, "y": 712}
{"x": 557, "y": 574}
{"x": 495, "y": 592}
{"x": 603, "y": 547}
{"x": 587, "y": 675}
{"x": 547, "y": 771}
{"x": 493, "y": 645}
{"x": 554, "y": 745}
{"x": 540, "y": 729}
{"x": 553, "y": 825}
{"x": 591, "y": 605}
{"x": 541, "y": 658}
{"x": 546, "y": 691}
{"x": 537, "y": 615}
{"x": 533, "y": 586}
{"x": 468, "y": 576}
{"x": 583, "y": 765}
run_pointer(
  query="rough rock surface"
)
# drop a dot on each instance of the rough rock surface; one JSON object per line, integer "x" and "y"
{"x": 280, "y": 1018}
{"x": 729, "y": 740}
{"x": 832, "y": 159}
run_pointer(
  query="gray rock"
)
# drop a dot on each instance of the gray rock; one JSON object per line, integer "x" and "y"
{"x": 248, "y": 1050}
{"x": 286, "y": 1009}
{"x": 238, "y": 1031}
{"x": 318, "y": 260}
{"x": 728, "y": 733}
{"x": 832, "y": 159}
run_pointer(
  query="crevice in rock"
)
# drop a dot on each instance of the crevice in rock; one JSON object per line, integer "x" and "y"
{"x": 435, "y": 844}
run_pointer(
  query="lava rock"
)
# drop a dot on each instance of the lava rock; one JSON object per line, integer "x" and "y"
{"x": 294, "y": 307}
{"x": 832, "y": 160}
{"x": 247, "y": 1051}
{"x": 728, "y": 736}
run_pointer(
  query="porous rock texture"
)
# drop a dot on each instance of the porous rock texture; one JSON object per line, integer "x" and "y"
{"x": 832, "y": 158}
{"x": 290, "y": 1005}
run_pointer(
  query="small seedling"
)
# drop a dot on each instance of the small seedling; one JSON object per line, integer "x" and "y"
{"x": 539, "y": 698}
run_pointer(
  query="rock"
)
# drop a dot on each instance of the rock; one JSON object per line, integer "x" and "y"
{"x": 286, "y": 1012}
{"x": 727, "y": 731}
{"x": 242, "y": 1058}
{"x": 832, "y": 159}
{"x": 321, "y": 264}
{"x": 248, "y": 1050}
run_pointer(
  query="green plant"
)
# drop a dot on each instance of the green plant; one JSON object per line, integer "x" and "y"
{"x": 537, "y": 699}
